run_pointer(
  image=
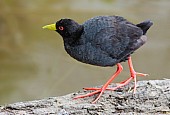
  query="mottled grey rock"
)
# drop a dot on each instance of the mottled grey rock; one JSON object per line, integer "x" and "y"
{"x": 152, "y": 97}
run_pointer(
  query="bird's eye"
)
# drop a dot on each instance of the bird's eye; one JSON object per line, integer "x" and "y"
{"x": 61, "y": 28}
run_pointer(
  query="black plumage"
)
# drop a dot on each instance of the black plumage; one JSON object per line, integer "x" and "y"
{"x": 103, "y": 41}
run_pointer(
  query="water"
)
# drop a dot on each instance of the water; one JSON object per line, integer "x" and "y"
{"x": 34, "y": 65}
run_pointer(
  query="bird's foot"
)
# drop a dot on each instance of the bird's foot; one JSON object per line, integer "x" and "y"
{"x": 98, "y": 90}
{"x": 101, "y": 90}
{"x": 121, "y": 84}
{"x": 136, "y": 74}
{"x": 104, "y": 87}
{"x": 133, "y": 74}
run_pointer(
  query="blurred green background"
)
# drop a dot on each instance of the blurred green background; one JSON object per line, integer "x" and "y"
{"x": 34, "y": 64}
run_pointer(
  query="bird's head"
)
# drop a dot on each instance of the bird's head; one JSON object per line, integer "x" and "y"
{"x": 67, "y": 28}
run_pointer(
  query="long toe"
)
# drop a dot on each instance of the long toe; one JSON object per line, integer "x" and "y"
{"x": 87, "y": 95}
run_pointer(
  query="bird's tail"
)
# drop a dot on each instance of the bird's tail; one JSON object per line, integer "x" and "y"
{"x": 145, "y": 25}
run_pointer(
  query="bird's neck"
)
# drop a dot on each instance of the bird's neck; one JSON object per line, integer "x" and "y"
{"x": 74, "y": 37}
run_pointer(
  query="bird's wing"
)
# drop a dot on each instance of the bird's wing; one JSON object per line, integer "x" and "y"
{"x": 110, "y": 43}
{"x": 117, "y": 39}
{"x": 114, "y": 35}
{"x": 111, "y": 39}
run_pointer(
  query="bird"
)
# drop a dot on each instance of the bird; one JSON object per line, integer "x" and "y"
{"x": 103, "y": 41}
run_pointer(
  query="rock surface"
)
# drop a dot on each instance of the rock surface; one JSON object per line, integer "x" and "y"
{"x": 152, "y": 97}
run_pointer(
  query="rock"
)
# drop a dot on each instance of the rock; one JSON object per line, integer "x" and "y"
{"x": 152, "y": 97}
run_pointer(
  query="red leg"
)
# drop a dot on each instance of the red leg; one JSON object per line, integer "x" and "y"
{"x": 133, "y": 76}
{"x": 104, "y": 87}
{"x": 125, "y": 82}
{"x": 140, "y": 74}
{"x": 133, "y": 73}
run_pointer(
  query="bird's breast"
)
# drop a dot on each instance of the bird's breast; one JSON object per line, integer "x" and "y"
{"x": 86, "y": 53}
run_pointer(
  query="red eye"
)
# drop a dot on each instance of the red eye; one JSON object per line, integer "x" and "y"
{"x": 61, "y": 28}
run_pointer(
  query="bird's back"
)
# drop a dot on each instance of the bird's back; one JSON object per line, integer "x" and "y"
{"x": 106, "y": 40}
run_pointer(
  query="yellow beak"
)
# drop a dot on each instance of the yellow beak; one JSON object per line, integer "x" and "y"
{"x": 50, "y": 27}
